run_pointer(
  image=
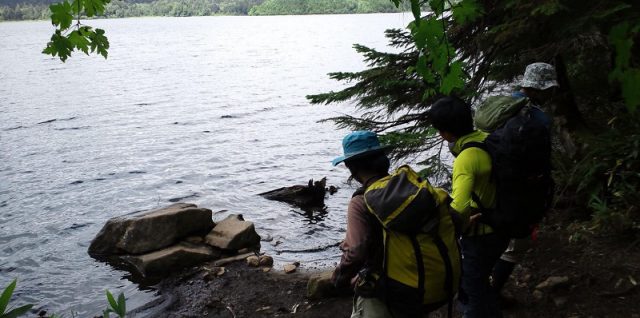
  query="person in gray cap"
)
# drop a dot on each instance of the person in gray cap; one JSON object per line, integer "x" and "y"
{"x": 538, "y": 83}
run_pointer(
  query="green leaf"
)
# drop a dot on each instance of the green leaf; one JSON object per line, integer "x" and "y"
{"x": 428, "y": 93}
{"x": 428, "y": 33}
{"x": 454, "y": 79}
{"x": 6, "y": 295}
{"x": 466, "y": 11}
{"x": 17, "y": 312}
{"x": 621, "y": 39}
{"x": 94, "y": 7}
{"x": 76, "y": 6}
{"x": 79, "y": 41}
{"x": 105, "y": 313}
{"x": 122, "y": 306}
{"x": 437, "y": 6}
{"x": 111, "y": 300}
{"x": 440, "y": 58}
{"x": 423, "y": 69}
{"x": 61, "y": 15}
{"x": 99, "y": 42}
{"x": 631, "y": 88}
{"x": 59, "y": 45}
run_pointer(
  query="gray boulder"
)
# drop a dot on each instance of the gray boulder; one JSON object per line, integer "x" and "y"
{"x": 181, "y": 255}
{"x": 147, "y": 231}
{"x": 233, "y": 233}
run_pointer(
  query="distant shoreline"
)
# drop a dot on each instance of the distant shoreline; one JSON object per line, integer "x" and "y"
{"x": 197, "y": 16}
{"x": 191, "y": 8}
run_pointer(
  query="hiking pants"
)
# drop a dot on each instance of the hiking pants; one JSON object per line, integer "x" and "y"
{"x": 369, "y": 308}
{"x": 479, "y": 255}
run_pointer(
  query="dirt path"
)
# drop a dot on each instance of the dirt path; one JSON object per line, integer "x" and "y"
{"x": 602, "y": 280}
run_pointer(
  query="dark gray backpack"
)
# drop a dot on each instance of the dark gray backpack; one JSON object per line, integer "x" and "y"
{"x": 520, "y": 151}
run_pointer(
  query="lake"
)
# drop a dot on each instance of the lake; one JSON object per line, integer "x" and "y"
{"x": 206, "y": 110}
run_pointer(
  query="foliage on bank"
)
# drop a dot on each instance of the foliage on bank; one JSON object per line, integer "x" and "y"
{"x": 471, "y": 48}
{"x": 282, "y": 7}
{"x": 39, "y": 9}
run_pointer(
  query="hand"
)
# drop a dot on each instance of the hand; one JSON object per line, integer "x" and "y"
{"x": 474, "y": 218}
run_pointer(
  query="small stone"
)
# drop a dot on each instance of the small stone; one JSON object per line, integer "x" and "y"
{"x": 253, "y": 261}
{"x": 213, "y": 272}
{"x": 263, "y": 308}
{"x": 290, "y": 268}
{"x": 560, "y": 301}
{"x": 538, "y": 295}
{"x": 266, "y": 269}
{"x": 218, "y": 271}
{"x": 266, "y": 260}
{"x": 553, "y": 282}
{"x": 618, "y": 284}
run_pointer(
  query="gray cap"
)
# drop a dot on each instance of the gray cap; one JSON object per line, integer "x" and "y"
{"x": 539, "y": 76}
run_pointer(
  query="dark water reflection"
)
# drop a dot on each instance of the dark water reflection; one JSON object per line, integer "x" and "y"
{"x": 205, "y": 110}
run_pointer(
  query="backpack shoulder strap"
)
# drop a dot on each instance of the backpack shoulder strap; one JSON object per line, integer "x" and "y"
{"x": 474, "y": 144}
{"x": 359, "y": 191}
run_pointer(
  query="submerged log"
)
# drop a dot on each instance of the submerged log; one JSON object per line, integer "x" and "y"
{"x": 310, "y": 195}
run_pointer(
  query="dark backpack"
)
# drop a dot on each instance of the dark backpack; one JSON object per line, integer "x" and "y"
{"x": 520, "y": 153}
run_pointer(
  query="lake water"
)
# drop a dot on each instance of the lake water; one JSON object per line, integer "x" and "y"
{"x": 208, "y": 110}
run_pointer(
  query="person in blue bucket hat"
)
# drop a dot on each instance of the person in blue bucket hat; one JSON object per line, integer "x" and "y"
{"x": 362, "y": 248}
{"x": 419, "y": 273}
{"x": 358, "y": 144}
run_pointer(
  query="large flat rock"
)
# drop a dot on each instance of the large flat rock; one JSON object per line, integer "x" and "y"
{"x": 148, "y": 231}
{"x": 181, "y": 255}
{"x": 233, "y": 233}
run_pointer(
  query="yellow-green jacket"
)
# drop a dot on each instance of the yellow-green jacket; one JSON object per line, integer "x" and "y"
{"x": 472, "y": 174}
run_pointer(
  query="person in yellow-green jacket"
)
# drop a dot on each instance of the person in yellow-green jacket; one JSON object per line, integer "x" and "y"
{"x": 471, "y": 181}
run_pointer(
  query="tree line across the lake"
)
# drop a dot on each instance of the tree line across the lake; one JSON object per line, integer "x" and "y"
{"x": 39, "y": 9}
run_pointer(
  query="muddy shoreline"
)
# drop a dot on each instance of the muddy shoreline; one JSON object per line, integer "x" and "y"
{"x": 601, "y": 273}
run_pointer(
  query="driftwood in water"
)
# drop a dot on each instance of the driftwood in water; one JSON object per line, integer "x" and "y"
{"x": 310, "y": 195}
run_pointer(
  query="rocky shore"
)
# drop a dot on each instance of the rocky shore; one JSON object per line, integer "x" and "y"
{"x": 217, "y": 270}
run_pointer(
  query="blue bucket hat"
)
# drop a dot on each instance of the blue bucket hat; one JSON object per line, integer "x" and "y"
{"x": 358, "y": 144}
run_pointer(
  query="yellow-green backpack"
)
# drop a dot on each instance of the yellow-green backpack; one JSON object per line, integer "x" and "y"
{"x": 421, "y": 255}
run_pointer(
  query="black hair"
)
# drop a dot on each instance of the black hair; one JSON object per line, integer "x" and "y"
{"x": 376, "y": 163}
{"x": 451, "y": 114}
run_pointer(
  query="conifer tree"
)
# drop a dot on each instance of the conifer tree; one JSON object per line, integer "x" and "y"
{"x": 389, "y": 99}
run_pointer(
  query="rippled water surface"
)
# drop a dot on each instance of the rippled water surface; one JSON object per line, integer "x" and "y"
{"x": 207, "y": 110}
